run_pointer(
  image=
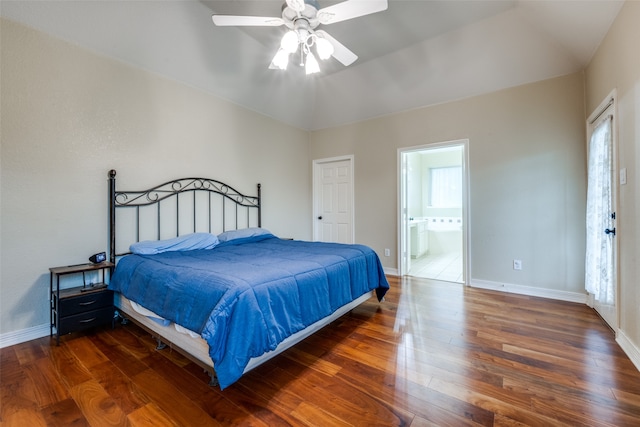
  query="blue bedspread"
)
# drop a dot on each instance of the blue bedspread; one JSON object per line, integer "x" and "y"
{"x": 246, "y": 296}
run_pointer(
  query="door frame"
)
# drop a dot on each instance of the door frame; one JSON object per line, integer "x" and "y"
{"x": 315, "y": 168}
{"x": 403, "y": 223}
{"x": 610, "y": 106}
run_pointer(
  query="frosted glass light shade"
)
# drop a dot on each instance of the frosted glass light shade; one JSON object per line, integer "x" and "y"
{"x": 290, "y": 42}
{"x": 312, "y": 64}
{"x": 324, "y": 48}
{"x": 281, "y": 60}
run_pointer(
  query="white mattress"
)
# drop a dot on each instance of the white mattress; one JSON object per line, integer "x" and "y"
{"x": 161, "y": 320}
{"x": 194, "y": 346}
{"x": 197, "y": 348}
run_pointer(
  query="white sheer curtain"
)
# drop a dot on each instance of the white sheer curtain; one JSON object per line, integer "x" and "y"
{"x": 598, "y": 262}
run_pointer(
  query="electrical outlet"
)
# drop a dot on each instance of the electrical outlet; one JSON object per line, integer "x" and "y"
{"x": 387, "y": 252}
{"x": 517, "y": 264}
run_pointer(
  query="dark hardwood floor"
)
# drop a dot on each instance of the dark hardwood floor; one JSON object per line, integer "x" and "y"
{"x": 432, "y": 353}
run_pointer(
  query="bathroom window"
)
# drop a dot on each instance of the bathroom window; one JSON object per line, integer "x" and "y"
{"x": 445, "y": 187}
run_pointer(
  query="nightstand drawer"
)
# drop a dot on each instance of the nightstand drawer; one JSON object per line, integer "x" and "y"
{"x": 85, "y": 302}
{"x": 85, "y": 320}
{"x": 80, "y": 307}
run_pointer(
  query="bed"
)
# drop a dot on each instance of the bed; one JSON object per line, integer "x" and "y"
{"x": 195, "y": 267}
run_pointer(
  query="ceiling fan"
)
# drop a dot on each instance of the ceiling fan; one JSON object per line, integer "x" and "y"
{"x": 302, "y": 17}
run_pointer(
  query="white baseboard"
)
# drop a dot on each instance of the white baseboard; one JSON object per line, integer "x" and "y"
{"x": 390, "y": 271}
{"x": 24, "y": 335}
{"x": 629, "y": 348}
{"x": 531, "y": 291}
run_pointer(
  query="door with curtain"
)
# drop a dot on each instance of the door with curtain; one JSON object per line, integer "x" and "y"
{"x": 601, "y": 255}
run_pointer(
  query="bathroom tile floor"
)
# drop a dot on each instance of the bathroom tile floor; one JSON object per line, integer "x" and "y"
{"x": 446, "y": 267}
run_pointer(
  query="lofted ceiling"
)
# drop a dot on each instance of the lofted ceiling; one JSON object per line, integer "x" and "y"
{"x": 414, "y": 54}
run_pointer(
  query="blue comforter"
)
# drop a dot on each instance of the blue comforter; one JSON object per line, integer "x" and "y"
{"x": 246, "y": 296}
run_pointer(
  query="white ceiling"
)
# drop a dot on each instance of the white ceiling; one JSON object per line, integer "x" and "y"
{"x": 416, "y": 53}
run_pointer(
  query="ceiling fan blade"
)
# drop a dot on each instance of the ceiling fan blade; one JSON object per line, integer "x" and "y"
{"x": 350, "y": 9}
{"x": 340, "y": 51}
{"x": 253, "y": 21}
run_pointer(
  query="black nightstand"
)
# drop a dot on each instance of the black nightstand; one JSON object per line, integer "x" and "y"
{"x": 81, "y": 307}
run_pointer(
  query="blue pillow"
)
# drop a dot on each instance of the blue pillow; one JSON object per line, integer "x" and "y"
{"x": 187, "y": 242}
{"x": 243, "y": 233}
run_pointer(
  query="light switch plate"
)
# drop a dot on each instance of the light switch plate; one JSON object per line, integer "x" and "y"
{"x": 623, "y": 176}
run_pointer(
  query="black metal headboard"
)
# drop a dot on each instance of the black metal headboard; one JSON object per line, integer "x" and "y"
{"x": 208, "y": 205}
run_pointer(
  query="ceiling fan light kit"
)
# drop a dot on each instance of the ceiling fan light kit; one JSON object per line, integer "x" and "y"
{"x": 302, "y": 17}
{"x": 302, "y": 39}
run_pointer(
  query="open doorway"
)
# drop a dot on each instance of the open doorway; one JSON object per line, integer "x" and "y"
{"x": 433, "y": 211}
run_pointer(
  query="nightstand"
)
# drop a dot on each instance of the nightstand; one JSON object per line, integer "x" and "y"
{"x": 80, "y": 307}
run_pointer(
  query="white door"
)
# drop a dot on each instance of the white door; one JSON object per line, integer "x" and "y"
{"x": 601, "y": 253}
{"x": 333, "y": 200}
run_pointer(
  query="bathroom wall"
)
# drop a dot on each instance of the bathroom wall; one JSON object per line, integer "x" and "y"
{"x": 437, "y": 159}
{"x": 419, "y": 181}
{"x": 414, "y": 185}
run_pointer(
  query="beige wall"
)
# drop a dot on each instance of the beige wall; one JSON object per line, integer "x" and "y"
{"x": 616, "y": 65}
{"x": 527, "y": 172}
{"x": 68, "y": 116}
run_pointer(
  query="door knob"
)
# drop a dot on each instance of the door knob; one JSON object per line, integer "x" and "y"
{"x": 610, "y": 231}
{"x": 319, "y": 217}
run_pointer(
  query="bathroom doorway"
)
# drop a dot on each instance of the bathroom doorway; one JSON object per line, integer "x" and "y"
{"x": 433, "y": 211}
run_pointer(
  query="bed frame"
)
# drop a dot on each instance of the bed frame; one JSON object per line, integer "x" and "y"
{"x": 191, "y": 205}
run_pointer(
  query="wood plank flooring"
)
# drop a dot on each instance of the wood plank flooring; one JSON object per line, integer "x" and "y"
{"x": 432, "y": 353}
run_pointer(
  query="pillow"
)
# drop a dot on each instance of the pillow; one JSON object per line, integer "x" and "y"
{"x": 243, "y": 233}
{"x": 187, "y": 242}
